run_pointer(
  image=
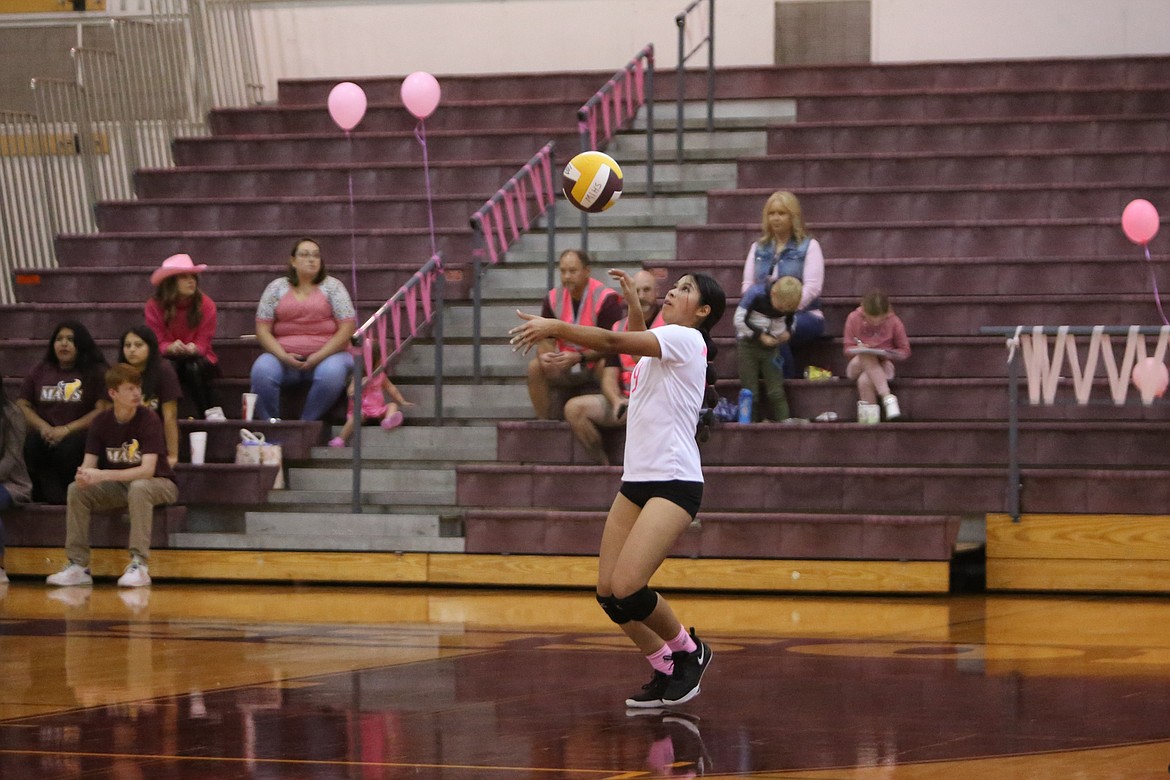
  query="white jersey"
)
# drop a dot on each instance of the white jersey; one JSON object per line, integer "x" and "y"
{"x": 666, "y": 394}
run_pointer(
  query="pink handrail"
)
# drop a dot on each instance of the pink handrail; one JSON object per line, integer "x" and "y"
{"x": 505, "y": 216}
{"x": 618, "y": 99}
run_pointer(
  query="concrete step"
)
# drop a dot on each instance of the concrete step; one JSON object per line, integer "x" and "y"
{"x": 635, "y": 204}
{"x": 722, "y": 144}
{"x": 470, "y": 402}
{"x": 759, "y": 112}
{"x": 217, "y": 541}
{"x": 345, "y": 524}
{"x": 606, "y": 234}
{"x": 372, "y": 501}
{"x": 425, "y": 443}
{"x": 415, "y": 482}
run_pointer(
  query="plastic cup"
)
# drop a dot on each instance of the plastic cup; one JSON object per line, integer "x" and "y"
{"x": 198, "y": 446}
{"x": 249, "y": 405}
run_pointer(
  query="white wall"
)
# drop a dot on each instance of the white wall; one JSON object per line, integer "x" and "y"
{"x": 327, "y": 38}
{"x": 344, "y": 38}
{"x": 918, "y": 30}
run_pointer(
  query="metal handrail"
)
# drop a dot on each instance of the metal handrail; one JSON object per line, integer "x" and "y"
{"x": 683, "y": 56}
{"x": 502, "y": 219}
{"x": 122, "y": 108}
{"x": 1014, "y": 345}
{"x": 429, "y": 281}
{"x": 619, "y": 100}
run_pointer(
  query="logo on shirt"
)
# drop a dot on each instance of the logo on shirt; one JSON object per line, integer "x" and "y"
{"x": 637, "y": 372}
{"x": 63, "y": 392}
{"x": 150, "y": 403}
{"x": 128, "y": 454}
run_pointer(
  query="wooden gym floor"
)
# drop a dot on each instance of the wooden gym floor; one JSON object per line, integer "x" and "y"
{"x": 243, "y": 681}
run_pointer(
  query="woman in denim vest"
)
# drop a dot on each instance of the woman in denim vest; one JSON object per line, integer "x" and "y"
{"x": 785, "y": 249}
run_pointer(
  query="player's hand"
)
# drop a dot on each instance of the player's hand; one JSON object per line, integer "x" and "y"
{"x": 625, "y": 280}
{"x": 531, "y": 332}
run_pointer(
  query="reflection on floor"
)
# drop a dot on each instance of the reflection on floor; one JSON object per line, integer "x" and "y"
{"x": 266, "y": 682}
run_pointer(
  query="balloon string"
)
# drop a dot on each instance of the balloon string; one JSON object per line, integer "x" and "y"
{"x": 420, "y": 133}
{"x": 1154, "y": 282}
{"x": 352, "y": 224}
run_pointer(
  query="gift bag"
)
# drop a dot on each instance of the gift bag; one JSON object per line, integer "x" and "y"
{"x": 255, "y": 451}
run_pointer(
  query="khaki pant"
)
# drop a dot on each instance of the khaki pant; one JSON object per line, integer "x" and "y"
{"x": 140, "y": 497}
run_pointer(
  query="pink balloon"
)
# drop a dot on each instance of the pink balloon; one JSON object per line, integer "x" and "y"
{"x": 1151, "y": 377}
{"x": 1140, "y": 221}
{"x": 347, "y": 105}
{"x": 420, "y": 94}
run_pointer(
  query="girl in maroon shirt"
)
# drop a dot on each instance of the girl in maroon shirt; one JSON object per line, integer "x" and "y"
{"x": 59, "y": 399}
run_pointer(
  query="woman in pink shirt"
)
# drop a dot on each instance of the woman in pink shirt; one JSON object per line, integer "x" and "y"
{"x": 304, "y": 323}
{"x": 184, "y": 319}
{"x": 874, "y": 338}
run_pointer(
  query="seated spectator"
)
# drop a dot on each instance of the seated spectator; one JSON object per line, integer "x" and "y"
{"x": 59, "y": 399}
{"x": 559, "y": 367}
{"x": 184, "y": 320}
{"x": 304, "y": 322}
{"x": 15, "y": 484}
{"x": 874, "y": 338}
{"x": 762, "y": 323}
{"x": 160, "y": 385}
{"x": 784, "y": 248}
{"x": 375, "y": 407}
{"x": 586, "y": 414}
{"x": 125, "y": 466}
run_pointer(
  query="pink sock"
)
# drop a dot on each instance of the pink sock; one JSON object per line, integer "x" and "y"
{"x": 660, "y": 660}
{"x": 683, "y": 642}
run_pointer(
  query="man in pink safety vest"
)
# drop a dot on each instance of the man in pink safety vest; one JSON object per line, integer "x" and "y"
{"x": 587, "y": 414}
{"x": 559, "y": 366}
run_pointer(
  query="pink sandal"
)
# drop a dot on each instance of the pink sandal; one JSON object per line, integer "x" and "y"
{"x": 393, "y": 421}
{"x": 337, "y": 441}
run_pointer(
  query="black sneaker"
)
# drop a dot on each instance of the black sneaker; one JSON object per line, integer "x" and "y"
{"x": 651, "y": 695}
{"x": 688, "y": 673}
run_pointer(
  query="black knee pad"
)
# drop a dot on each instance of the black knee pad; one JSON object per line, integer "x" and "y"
{"x": 639, "y": 604}
{"x": 612, "y": 610}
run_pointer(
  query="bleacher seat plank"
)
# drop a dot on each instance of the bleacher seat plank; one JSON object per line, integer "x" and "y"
{"x": 1079, "y": 537}
{"x": 1078, "y": 575}
{"x": 501, "y": 570}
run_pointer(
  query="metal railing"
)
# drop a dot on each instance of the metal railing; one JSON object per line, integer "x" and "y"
{"x": 615, "y": 105}
{"x": 1028, "y": 344}
{"x": 120, "y": 111}
{"x": 420, "y": 302}
{"x": 501, "y": 220}
{"x": 683, "y": 56}
{"x": 22, "y": 182}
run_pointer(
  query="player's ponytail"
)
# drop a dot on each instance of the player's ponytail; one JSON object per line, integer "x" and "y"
{"x": 710, "y": 294}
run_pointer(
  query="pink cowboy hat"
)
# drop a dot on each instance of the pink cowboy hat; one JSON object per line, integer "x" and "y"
{"x": 173, "y": 266}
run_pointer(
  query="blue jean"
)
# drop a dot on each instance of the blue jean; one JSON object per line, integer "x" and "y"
{"x": 328, "y": 379}
{"x": 806, "y": 328}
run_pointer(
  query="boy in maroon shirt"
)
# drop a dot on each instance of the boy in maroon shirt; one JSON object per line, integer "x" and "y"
{"x": 125, "y": 465}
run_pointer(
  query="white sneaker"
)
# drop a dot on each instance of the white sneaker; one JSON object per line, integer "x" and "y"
{"x": 3, "y": 576}
{"x": 890, "y": 402}
{"x": 70, "y": 575}
{"x": 868, "y": 414}
{"x": 214, "y": 414}
{"x": 137, "y": 575}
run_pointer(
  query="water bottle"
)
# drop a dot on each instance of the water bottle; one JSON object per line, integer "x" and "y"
{"x": 745, "y": 405}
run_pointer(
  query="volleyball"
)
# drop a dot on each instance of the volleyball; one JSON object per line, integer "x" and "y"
{"x": 592, "y": 181}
